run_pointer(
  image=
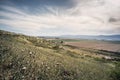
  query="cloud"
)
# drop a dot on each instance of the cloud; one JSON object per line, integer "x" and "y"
{"x": 85, "y": 17}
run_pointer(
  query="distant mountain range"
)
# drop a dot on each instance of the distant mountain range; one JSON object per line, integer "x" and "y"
{"x": 99, "y": 37}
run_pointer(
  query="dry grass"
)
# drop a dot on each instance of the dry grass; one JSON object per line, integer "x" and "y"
{"x": 29, "y": 58}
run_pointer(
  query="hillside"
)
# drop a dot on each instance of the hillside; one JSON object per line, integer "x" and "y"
{"x": 32, "y": 58}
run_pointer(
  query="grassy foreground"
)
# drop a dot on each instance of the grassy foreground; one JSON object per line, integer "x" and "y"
{"x": 31, "y": 58}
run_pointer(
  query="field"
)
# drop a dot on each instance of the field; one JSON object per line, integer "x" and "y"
{"x": 96, "y": 44}
{"x": 31, "y": 58}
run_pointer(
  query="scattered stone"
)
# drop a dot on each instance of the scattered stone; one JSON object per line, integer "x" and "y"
{"x": 57, "y": 63}
{"x": 48, "y": 68}
{"x": 107, "y": 57}
{"x": 24, "y": 68}
{"x": 27, "y": 61}
{"x": 23, "y": 76}
{"x": 46, "y": 65}
{"x": 10, "y": 64}
{"x": 22, "y": 50}
{"x": 30, "y": 53}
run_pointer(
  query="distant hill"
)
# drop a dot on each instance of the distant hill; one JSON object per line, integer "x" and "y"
{"x": 99, "y": 37}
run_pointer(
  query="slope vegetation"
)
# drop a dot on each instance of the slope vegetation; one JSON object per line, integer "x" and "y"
{"x": 32, "y": 58}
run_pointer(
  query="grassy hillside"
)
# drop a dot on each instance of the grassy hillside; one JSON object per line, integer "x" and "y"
{"x": 31, "y": 58}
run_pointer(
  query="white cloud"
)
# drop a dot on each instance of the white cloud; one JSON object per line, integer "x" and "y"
{"x": 87, "y": 17}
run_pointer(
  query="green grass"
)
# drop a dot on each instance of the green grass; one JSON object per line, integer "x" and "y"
{"x": 32, "y": 58}
{"x": 115, "y": 74}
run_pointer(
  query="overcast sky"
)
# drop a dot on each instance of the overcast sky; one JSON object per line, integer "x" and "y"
{"x": 60, "y": 17}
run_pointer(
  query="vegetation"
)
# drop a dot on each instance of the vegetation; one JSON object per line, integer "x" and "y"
{"x": 115, "y": 74}
{"x": 32, "y": 58}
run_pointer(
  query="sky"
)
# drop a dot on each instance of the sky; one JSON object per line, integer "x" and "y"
{"x": 60, "y": 17}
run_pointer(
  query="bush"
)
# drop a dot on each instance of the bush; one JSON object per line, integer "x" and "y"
{"x": 56, "y": 47}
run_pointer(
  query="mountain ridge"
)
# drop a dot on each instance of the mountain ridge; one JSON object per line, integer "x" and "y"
{"x": 97, "y": 37}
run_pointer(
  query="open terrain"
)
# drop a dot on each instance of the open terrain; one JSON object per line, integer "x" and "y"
{"x": 96, "y": 44}
{"x": 31, "y": 58}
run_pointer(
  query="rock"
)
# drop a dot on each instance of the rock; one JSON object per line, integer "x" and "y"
{"x": 24, "y": 68}
{"x": 30, "y": 53}
{"x": 107, "y": 57}
{"x": 22, "y": 50}
{"x": 23, "y": 76}
{"x": 48, "y": 68}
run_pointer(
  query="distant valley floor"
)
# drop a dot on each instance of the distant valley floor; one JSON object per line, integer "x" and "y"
{"x": 100, "y": 45}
